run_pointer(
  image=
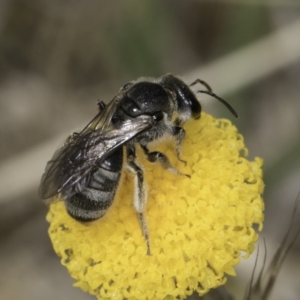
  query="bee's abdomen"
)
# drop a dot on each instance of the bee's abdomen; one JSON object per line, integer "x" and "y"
{"x": 92, "y": 202}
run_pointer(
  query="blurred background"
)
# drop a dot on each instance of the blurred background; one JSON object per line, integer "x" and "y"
{"x": 57, "y": 58}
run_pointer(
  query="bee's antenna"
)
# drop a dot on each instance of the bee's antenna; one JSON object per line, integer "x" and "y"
{"x": 230, "y": 108}
{"x": 203, "y": 83}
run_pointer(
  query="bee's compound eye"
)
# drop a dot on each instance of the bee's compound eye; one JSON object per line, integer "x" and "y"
{"x": 195, "y": 108}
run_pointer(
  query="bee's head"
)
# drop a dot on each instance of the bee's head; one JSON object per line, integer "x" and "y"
{"x": 187, "y": 104}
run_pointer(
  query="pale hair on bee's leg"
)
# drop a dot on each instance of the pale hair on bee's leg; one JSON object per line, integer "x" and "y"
{"x": 140, "y": 192}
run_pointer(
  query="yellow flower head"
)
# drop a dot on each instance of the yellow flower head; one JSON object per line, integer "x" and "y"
{"x": 198, "y": 226}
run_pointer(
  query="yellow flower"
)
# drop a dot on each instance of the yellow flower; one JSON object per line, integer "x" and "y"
{"x": 199, "y": 227}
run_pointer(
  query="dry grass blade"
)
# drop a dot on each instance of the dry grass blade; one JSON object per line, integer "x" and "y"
{"x": 249, "y": 288}
{"x": 263, "y": 286}
{"x": 258, "y": 284}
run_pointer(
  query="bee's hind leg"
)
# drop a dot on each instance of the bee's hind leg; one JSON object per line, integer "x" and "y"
{"x": 140, "y": 193}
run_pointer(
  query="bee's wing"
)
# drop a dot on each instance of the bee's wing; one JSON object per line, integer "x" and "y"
{"x": 103, "y": 118}
{"x": 74, "y": 162}
{"x": 58, "y": 169}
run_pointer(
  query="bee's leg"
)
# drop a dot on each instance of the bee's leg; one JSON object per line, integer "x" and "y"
{"x": 140, "y": 193}
{"x": 179, "y": 134}
{"x": 71, "y": 138}
{"x": 155, "y": 156}
{"x": 74, "y": 135}
{"x": 101, "y": 105}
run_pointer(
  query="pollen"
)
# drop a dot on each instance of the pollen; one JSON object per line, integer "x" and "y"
{"x": 199, "y": 226}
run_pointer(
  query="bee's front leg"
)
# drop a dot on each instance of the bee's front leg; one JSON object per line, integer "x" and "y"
{"x": 179, "y": 134}
{"x": 155, "y": 156}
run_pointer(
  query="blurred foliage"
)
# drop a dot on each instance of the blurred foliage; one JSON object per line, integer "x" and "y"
{"x": 82, "y": 44}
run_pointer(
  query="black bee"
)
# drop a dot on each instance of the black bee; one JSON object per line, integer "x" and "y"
{"x": 85, "y": 171}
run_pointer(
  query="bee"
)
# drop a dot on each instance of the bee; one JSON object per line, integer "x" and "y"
{"x": 85, "y": 172}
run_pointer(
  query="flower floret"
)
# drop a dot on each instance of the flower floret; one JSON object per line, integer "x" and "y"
{"x": 199, "y": 226}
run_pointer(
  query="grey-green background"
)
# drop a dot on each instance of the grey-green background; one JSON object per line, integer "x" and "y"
{"x": 57, "y": 58}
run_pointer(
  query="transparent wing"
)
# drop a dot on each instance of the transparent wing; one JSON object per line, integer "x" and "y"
{"x": 70, "y": 157}
{"x": 103, "y": 118}
{"x": 73, "y": 162}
